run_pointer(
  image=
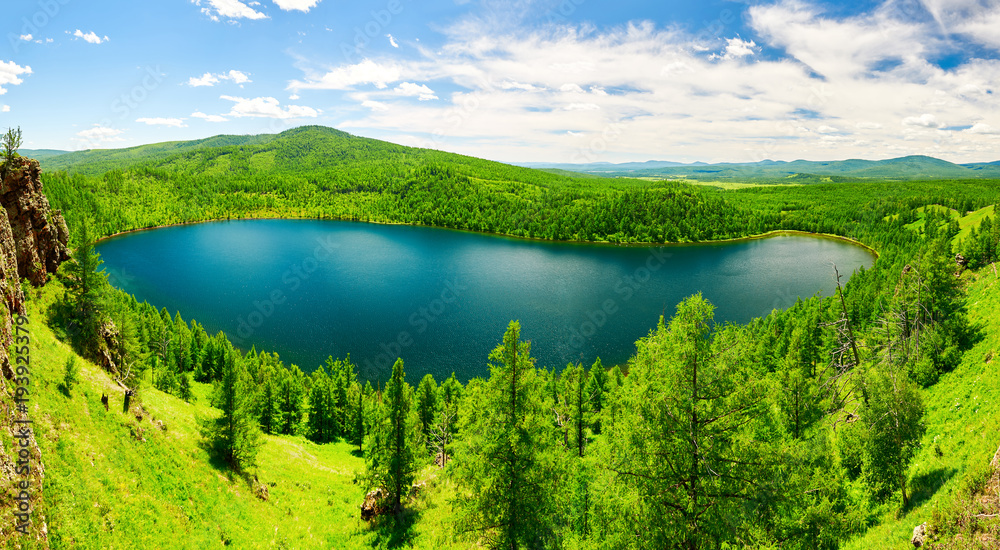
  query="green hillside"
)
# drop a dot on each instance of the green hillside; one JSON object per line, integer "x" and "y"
{"x": 963, "y": 433}
{"x": 115, "y": 480}
{"x": 765, "y": 435}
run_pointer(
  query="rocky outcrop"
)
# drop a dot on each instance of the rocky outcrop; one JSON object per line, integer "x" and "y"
{"x": 33, "y": 242}
{"x": 40, "y": 234}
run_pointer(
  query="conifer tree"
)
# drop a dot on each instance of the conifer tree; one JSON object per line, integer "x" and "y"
{"x": 390, "y": 454}
{"x": 236, "y": 433}
{"x": 506, "y": 475}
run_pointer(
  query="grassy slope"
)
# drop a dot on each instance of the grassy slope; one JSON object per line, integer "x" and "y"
{"x": 107, "y": 489}
{"x": 973, "y": 219}
{"x": 963, "y": 421}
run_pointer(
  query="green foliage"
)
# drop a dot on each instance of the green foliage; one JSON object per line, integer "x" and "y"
{"x": 505, "y": 469}
{"x": 71, "y": 374}
{"x": 184, "y": 388}
{"x": 236, "y": 433}
{"x": 10, "y": 142}
{"x": 893, "y": 417}
{"x": 686, "y": 467}
{"x": 88, "y": 290}
{"x": 390, "y": 455}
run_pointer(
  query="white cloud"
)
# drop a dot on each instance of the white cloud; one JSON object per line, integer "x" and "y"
{"x": 209, "y": 118}
{"x": 267, "y": 107}
{"x": 6, "y": 108}
{"x": 209, "y": 79}
{"x": 100, "y": 134}
{"x": 392, "y": 41}
{"x": 348, "y": 76}
{"x": 983, "y": 128}
{"x": 174, "y": 122}
{"x": 375, "y": 105}
{"x": 301, "y": 5}
{"x": 230, "y": 9}
{"x": 737, "y": 48}
{"x": 512, "y": 85}
{"x": 643, "y": 91}
{"x": 90, "y": 37}
{"x": 26, "y": 37}
{"x": 925, "y": 120}
{"x": 420, "y": 90}
{"x": 10, "y": 74}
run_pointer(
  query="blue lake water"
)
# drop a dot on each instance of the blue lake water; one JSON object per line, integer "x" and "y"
{"x": 441, "y": 299}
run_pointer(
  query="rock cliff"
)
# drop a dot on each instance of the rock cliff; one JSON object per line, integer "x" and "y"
{"x": 33, "y": 242}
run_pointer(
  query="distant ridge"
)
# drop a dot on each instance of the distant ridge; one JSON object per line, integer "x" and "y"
{"x": 39, "y": 154}
{"x": 297, "y": 146}
{"x": 914, "y": 167}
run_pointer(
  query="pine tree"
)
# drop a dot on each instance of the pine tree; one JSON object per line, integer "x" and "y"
{"x": 236, "y": 434}
{"x": 391, "y": 453}
{"x": 71, "y": 373}
{"x": 894, "y": 419}
{"x": 184, "y": 388}
{"x": 89, "y": 288}
{"x": 597, "y": 384}
{"x": 292, "y": 395}
{"x": 688, "y": 395}
{"x": 319, "y": 407}
{"x": 505, "y": 474}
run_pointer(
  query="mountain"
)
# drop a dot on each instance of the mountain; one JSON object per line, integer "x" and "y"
{"x": 40, "y": 154}
{"x": 917, "y": 167}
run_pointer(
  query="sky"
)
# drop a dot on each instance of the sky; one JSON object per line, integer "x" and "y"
{"x": 570, "y": 81}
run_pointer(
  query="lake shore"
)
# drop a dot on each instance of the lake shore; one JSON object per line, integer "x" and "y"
{"x": 766, "y": 235}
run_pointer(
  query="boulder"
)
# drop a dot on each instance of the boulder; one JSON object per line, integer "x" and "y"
{"x": 374, "y": 504}
{"x": 260, "y": 490}
{"x": 919, "y": 535}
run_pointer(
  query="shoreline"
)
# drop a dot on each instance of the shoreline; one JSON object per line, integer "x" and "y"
{"x": 766, "y": 235}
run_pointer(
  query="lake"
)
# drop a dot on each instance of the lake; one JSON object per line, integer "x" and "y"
{"x": 441, "y": 299}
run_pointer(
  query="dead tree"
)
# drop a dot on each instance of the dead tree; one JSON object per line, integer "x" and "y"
{"x": 441, "y": 437}
{"x": 840, "y": 376}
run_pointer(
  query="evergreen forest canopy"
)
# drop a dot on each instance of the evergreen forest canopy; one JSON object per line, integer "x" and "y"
{"x": 796, "y": 430}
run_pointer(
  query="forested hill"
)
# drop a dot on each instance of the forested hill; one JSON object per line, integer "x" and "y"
{"x": 302, "y": 151}
{"x": 319, "y": 172}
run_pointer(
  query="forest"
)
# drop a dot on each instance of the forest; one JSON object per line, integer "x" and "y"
{"x": 796, "y": 430}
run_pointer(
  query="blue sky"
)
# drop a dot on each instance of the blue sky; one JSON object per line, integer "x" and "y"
{"x": 516, "y": 80}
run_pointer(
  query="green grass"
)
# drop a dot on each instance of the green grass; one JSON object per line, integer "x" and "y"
{"x": 973, "y": 219}
{"x": 113, "y": 481}
{"x": 963, "y": 425}
{"x": 918, "y": 225}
